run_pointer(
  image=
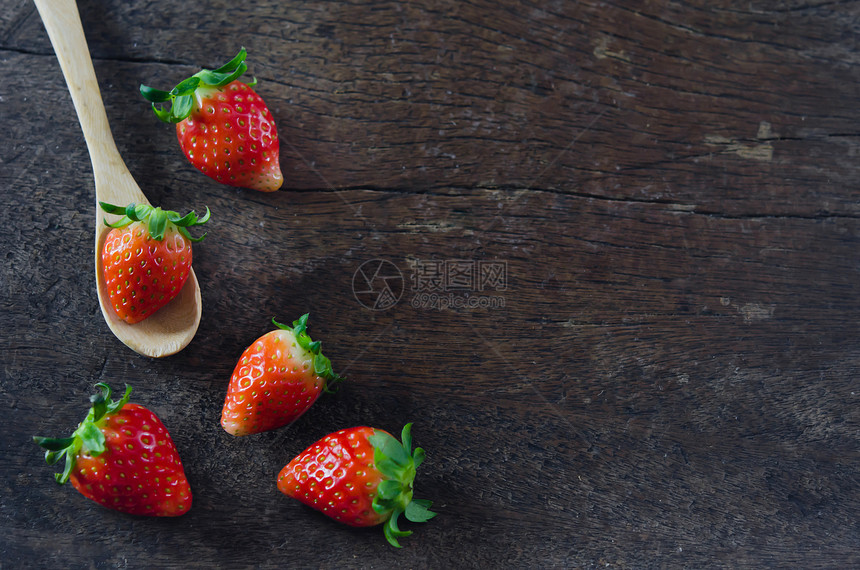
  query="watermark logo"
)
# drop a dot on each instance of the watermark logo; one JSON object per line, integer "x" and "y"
{"x": 378, "y": 284}
{"x": 435, "y": 284}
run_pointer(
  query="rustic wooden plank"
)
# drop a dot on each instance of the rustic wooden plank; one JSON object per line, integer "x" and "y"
{"x": 664, "y": 374}
{"x": 421, "y": 98}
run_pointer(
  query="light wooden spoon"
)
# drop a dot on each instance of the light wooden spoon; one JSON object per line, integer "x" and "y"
{"x": 173, "y": 326}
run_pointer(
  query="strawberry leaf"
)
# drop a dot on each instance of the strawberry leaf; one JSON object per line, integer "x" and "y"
{"x": 418, "y": 456}
{"x": 397, "y": 465}
{"x": 180, "y": 101}
{"x": 115, "y": 406}
{"x": 92, "y": 438}
{"x": 61, "y": 478}
{"x": 155, "y": 95}
{"x": 88, "y": 436}
{"x": 161, "y": 113}
{"x": 51, "y": 457}
{"x": 393, "y": 532}
{"x": 386, "y": 447}
{"x": 54, "y": 444}
{"x": 389, "y": 489}
{"x": 220, "y": 79}
{"x": 321, "y": 364}
{"x": 186, "y": 87}
{"x": 99, "y": 402}
{"x": 416, "y": 511}
{"x": 157, "y": 223}
{"x": 182, "y": 106}
{"x": 156, "y": 219}
{"x": 111, "y": 209}
{"x": 233, "y": 63}
{"x": 406, "y": 438}
{"x": 385, "y": 465}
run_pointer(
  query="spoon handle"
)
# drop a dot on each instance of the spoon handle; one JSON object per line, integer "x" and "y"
{"x": 63, "y": 24}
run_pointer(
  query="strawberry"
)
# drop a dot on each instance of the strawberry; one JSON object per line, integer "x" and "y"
{"x": 224, "y": 128}
{"x": 276, "y": 380}
{"x": 361, "y": 477}
{"x": 122, "y": 457}
{"x": 146, "y": 258}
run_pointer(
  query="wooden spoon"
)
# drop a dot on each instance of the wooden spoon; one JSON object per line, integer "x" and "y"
{"x": 172, "y": 327}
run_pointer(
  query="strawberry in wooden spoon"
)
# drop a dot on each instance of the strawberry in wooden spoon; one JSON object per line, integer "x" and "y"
{"x": 146, "y": 258}
{"x": 224, "y": 127}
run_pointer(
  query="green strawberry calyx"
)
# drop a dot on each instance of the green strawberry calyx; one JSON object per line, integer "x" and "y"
{"x": 397, "y": 463}
{"x": 87, "y": 438}
{"x": 180, "y": 101}
{"x": 157, "y": 220}
{"x": 322, "y": 365}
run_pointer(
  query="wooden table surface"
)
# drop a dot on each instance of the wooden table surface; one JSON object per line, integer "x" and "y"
{"x": 622, "y": 242}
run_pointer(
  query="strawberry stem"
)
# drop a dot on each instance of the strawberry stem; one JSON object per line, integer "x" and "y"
{"x": 156, "y": 219}
{"x": 87, "y": 437}
{"x": 397, "y": 463}
{"x": 322, "y": 365}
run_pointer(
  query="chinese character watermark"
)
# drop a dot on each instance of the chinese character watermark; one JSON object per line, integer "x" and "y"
{"x": 442, "y": 284}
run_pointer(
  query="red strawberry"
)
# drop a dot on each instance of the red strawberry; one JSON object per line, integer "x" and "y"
{"x": 276, "y": 380}
{"x": 224, "y": 128}
{"x": 146, "y": 258}
{"x": 122, "y": 457}
{"x": 361, "y": 477}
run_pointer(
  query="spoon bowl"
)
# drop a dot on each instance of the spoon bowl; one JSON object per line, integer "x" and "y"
{"x": 172, "y": 327}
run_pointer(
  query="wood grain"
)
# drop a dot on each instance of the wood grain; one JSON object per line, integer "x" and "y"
{"x": 667, "y": 378}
